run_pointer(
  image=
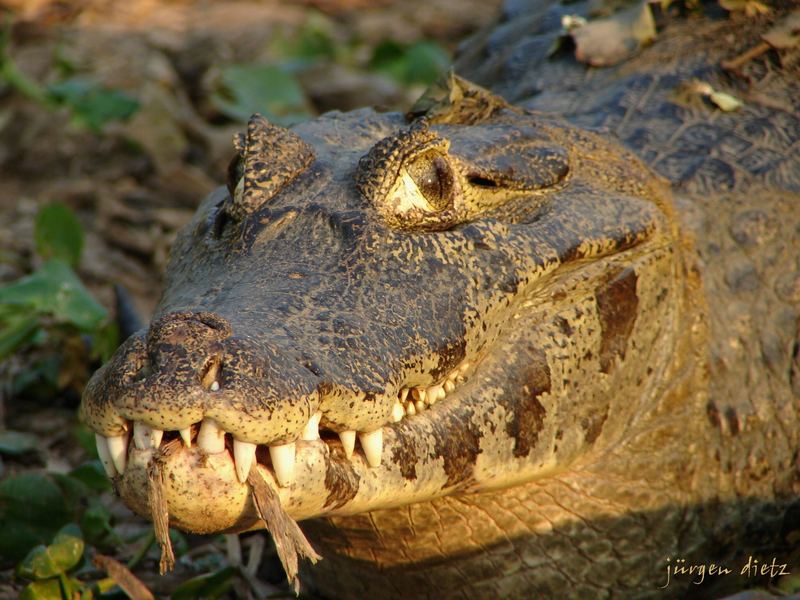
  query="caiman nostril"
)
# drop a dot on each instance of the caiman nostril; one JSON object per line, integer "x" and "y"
{"x": 209, "y": 377}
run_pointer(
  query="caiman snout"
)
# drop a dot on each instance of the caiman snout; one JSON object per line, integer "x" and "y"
{"x": 192, "y": 342}
{"x": 191, "y": 375}
{"x": 206, "y": 401}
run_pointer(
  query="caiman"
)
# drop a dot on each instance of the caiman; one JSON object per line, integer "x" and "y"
{"x": 484, "y": 351}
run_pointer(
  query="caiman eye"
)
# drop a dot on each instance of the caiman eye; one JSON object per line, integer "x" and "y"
{"x": 433, "y": 178}
{"x": 235, "y": 184}
{"x": 235, "y": 173}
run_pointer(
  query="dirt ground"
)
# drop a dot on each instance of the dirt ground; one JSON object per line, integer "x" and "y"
{"x": 134, "y": 182}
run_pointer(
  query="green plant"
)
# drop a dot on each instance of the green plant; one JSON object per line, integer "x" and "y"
{"x": 52, "y": 303}
{"x": 49, "y": 520}
{"x": 272, "y": 91}
{"x": 90, "y": 103}
{"x": 48, "y": 566}
{"x": 35, "y": 506}
{"x": 418, "y": 63}
{"x": 42, "y": 314}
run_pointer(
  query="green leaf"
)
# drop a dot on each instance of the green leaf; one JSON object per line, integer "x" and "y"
{"x": 96, "y": 522}
{"x": 32, "y": 509}
{"x": 74, "y": 490}
{"x": 85, "y": 438}
{"x": 38, "y": 564}
{"x": 207, "y": 586}
{"x": 313, "y": 43}
{"x": 388, "y": 57}
{"x": 91, "y": 103}
{"x": 17, "y": 332}
{"x": 39, "y": 379}
{"x": 789, "y": 584}
{"x": 59, "y": 234}
{"x": 265, "y": 89}
{"x": 426, "y": 61}
{"x": 92, "y": 475}
{"x": 67, "y": 547}
{"x": 17, "y": 443}
{"x": 43, "y": 562}
{"x": 33, "y": 498}
{"x": 18, "y": 538}
{"x": 105, "y": 341}
{"x": 421, "y": 62}
{"x": 11, "y": 75}
{"x": 42, "y": 590}
{"x": 55, "y": 290}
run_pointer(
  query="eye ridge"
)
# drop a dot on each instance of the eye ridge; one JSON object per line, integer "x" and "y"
{"x": 433, "y": 177}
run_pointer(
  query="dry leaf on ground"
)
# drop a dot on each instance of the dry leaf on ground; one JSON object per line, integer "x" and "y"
{"x": 606, "y": 42}
{"x": 785, "y": 34}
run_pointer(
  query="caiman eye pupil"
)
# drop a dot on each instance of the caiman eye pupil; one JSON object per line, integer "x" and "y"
{"x": 434, "y": 180}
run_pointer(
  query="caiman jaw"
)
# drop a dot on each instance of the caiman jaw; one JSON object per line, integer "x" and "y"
{"x": 203, "y": 456}
{"x": 210, "y": 438}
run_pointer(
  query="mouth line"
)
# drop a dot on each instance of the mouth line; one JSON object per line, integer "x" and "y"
{"x": 279, "y": 459}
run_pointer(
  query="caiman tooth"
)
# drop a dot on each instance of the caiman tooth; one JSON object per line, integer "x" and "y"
{"x": 145, "y": 437}
{"x": 311, "y": 431}
{"x": 214, "y": 386}
{"x": 411, "y": 409}
{"x": 186, "y": 436}
{"x": 210, "y": 438}
{"x": 419, "y": 405}
{"x": 434, "y": 393}
{"x": 118, "y": 448}
{"x": 372, "y": 443}
{"x": 449, "y": 386}
{"x": 283, "y": 463}
{"x": 243, "y": 455}
{"x": 348, "y": 441}
{"x": 398, "y": 412}
{"x": 419, "y": 395}
{"x": 404, "y": 394}
{"x": 105, "y": 455}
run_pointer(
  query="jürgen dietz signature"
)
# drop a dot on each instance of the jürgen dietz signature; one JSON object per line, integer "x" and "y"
{"x": 698, "y": 571}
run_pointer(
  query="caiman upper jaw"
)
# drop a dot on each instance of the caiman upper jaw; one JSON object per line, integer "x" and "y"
{"x": 190, "y": 368}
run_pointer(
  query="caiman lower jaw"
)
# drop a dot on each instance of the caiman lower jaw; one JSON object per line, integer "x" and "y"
{"x": 204, "y": 494}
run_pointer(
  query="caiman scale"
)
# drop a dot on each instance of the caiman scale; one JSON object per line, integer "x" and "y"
{"x": 566, "y": 364}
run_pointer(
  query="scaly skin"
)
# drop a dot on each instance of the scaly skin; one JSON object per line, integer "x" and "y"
{"x": 623, "y": 366}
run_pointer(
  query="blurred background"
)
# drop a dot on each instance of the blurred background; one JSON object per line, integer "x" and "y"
{"x": 116, "y": 118}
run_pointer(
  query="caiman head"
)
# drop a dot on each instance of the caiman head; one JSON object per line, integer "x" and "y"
{"x": 380, "y": 310}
